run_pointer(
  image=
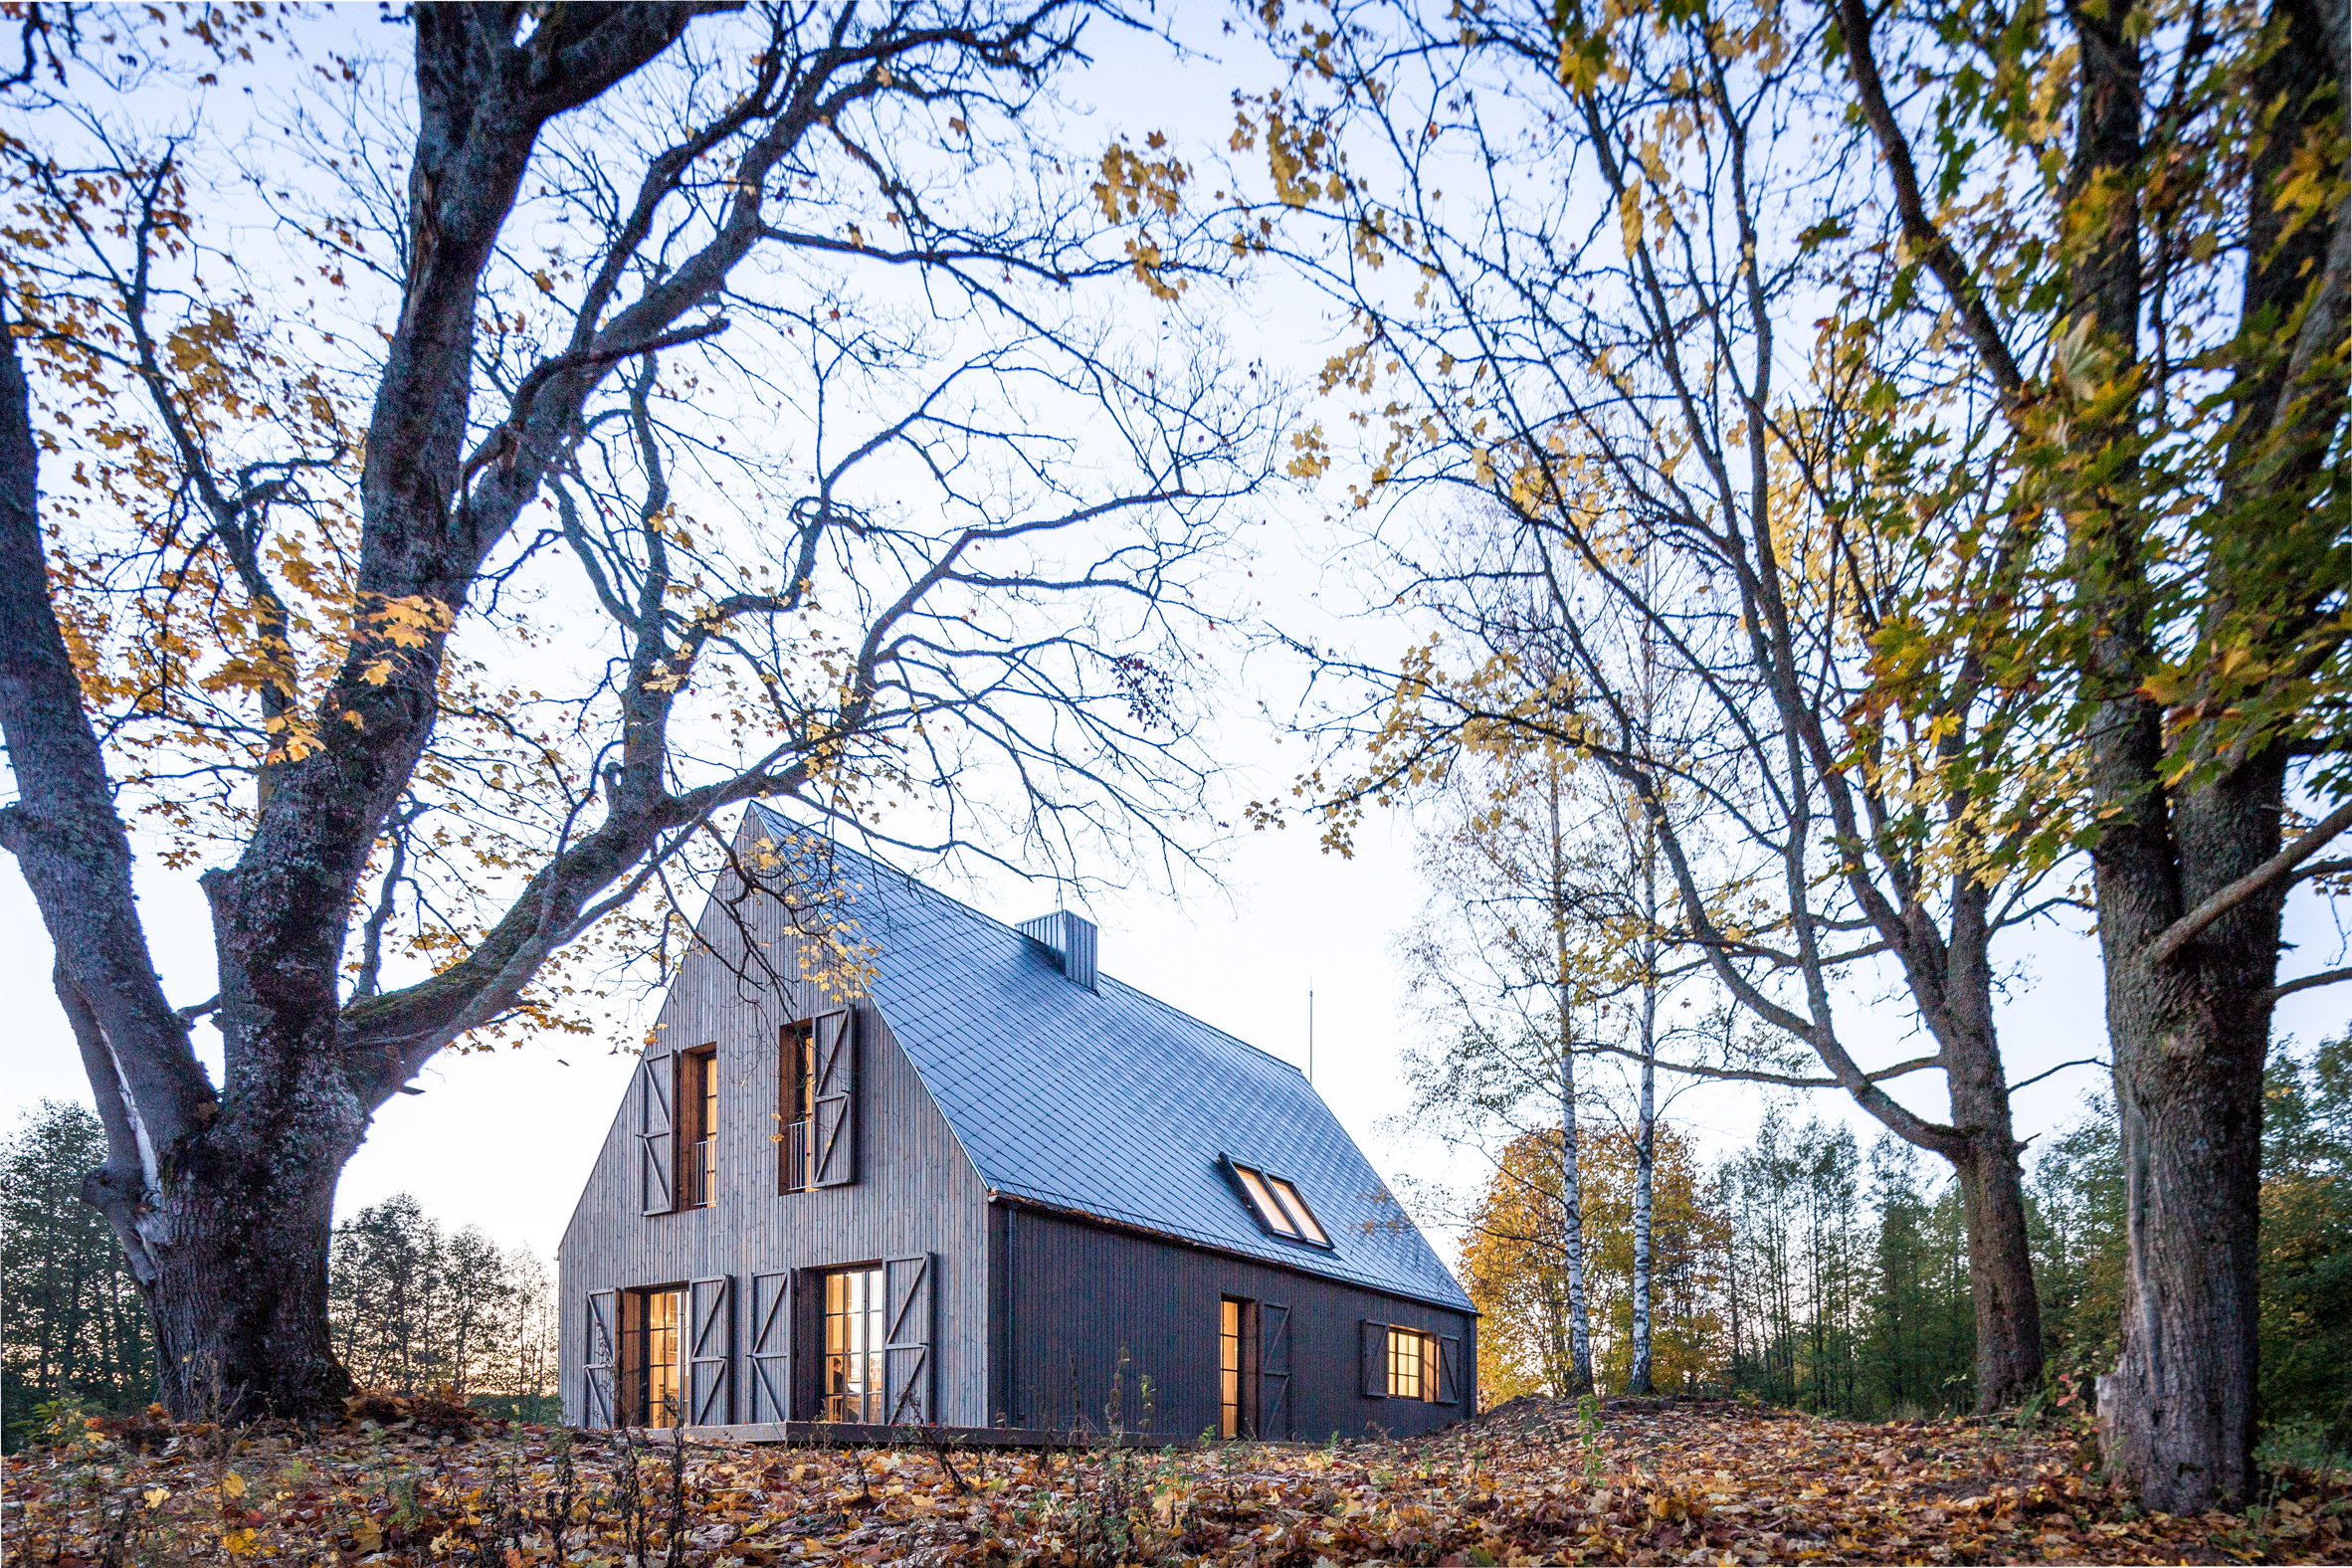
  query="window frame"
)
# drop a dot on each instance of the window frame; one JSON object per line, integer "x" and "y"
{"x": 1237, "y": 1417}
{"x": 1276, "y": 1203}
{"x": 796, "y": 1111}
{"x": 634, "y": 1382}
{"x": 873, "y": 1395}
{"x": 1425, "y": 1358}
{"x": 698, "y": 1064}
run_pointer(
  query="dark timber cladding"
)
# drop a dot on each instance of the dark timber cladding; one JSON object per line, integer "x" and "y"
{"x": 982, "y": 1185}
{"x": 1095, "y": 1310}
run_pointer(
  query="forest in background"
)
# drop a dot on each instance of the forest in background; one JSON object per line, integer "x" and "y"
{"x": 414, "y": 1306}
{"x": 1802, "y": 1270}
{"x": 2016, "y": 603}
{"x": 1809, "y": 1272}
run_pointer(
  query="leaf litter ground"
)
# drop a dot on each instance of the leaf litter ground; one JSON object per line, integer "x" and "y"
{"x": 418, "y": 1482}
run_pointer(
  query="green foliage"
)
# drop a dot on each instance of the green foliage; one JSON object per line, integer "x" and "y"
{"x": 2306, "y": 1245}
{"x": 1801, "y": 1266}
{"x": 73, "y": 1323}
{"x": 2306, "y": 1296}
{"x": 2075, "y": 1210}
{"x": 1588, "y": 1432}
{"x": 1917, "y": 1350}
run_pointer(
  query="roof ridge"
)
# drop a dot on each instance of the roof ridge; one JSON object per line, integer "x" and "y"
{"x": 1010, "y": 928}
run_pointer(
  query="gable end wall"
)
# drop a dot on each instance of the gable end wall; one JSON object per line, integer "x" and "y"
{"x": 916, "y": 1192}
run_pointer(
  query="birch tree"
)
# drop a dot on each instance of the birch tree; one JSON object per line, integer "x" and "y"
{"x": 1584, "y": 270}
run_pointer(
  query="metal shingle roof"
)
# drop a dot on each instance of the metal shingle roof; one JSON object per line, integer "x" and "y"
{"x": 1112, "y": 1102}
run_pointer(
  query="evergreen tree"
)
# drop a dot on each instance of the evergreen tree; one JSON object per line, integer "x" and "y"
{"x": 2306, "y": 1269}
{"x": 1918, "y": 1344}
{"x": 2077, "y": 1203}
{"x": 72, "y": 1322}
{"x": 415, "y": 1308}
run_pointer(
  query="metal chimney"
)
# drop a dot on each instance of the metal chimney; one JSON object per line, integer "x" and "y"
{"x": 1070, "y": 938}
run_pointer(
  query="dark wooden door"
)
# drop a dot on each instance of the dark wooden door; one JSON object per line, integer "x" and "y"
{"x": 1274, "y": 1370}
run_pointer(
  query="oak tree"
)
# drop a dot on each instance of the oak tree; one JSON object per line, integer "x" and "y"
{"x": 427, "y": 502}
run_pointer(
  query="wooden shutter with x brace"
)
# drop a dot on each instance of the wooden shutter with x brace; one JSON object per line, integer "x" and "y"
{"x": 656, "y": 1133}
{"x": 711, "y": 1351}
{"x": 906, "y": 1343}
{"x": 1274, "y": 1370}
{"x": 834, "y": 1162}
{"x": 770, "y": 1391}
{"x": 596, "y": 1361}
{"x": 1375, "y": 1345}
{"x": 1448, "y": 1370}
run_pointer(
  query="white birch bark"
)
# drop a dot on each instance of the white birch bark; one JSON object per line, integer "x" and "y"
{"x": 1580, "y": 1338}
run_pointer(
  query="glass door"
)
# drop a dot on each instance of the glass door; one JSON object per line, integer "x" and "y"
{"x": 653, "y": 1369}
{"x": 854, "y": 1340}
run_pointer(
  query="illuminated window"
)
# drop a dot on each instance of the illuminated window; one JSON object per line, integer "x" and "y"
{"x": 1411, "y": 1364}
{"x": 1277, "y": 1204}
{"x": 697, "y": 1101}
{"x": 1296, "y": 1206}
{"x": 854, "y": 1340}
{"x": 1237, "y": 1367}
{"x": 795, "y": 1168}
{"x": 653, "y": 1378}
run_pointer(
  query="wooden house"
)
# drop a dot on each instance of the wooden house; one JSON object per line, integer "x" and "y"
{"x": 960, "y": 1176}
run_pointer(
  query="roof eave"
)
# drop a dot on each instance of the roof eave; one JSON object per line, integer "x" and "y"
{"x": 1303, "y": 1264}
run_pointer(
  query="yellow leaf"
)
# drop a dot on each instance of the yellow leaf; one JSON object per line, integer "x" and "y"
{"x": 239, "y": 1543}
{"x": 231, "y": 1484}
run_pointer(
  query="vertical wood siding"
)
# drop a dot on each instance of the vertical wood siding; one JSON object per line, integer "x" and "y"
{"x": 1029, "y": 1310}
{"x": 1078, "y": 1295}
{"x": 916, "y": 1192}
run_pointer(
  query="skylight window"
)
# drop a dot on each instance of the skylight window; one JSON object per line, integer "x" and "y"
{"x": 1276, "y": 1205}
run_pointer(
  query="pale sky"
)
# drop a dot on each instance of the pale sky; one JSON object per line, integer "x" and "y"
{"x": 503, "y": 1140}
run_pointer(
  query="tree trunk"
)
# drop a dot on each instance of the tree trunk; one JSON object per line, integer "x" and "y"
{"x": 2190, "y": 1031}
{"x": 1580, "y": 1338}
{"x": 2177, "y": 1414}
{"x": 1639, "y": 1380}
{"x": 2001, "y": 1277}
{"x": 1992, "y": 1187}
{"x": 2189, "y": 1018}
{"x": 239, "y": 1292}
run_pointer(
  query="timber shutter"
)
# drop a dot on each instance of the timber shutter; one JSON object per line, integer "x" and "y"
{"x": 1274, "y": 1370}
{"x": 1448, "y": 1370}
{"x": 656, "y": 1133}
{"x": 1375, "y": 1350}
{"x": 771, "y": 1347}
{"x": 907, "y": 1341}
{"x": 834, "y": 1160}
{"x": 596, "y": 1361}
{"x": 711, "y": 1352}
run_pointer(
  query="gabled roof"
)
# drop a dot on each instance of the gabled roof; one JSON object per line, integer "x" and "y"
{"x": 1109, "y": 1103}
